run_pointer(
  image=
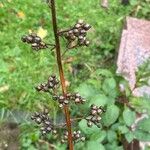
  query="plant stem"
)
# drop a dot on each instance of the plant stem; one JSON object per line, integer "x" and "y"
{"x": 61, "y": 73}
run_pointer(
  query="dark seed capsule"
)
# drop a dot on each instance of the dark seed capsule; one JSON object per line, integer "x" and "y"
{"x": 89, "y": 124}
{"x": 38, "y": 88}
{"x": 46, "y": 111}
{"x": 82, "y": 139}
{"x": 77, "y": 25}
{"x": 80, "y": 21}
{"x": 82, "y": 31}
{"x": 43, "y": 132}
{"x": 75, "y": 31}
{"x": 37, "y": 39}
{"x": 70, "y": 32}
{"x": 38, "y": 120}
{"x": 24, "y": 39}
{"x": 81, "y": 37}
{"x": 29, "y": 39}
{"x": 48, "y": 129}
{"x": 87, "y": 43}
{"x": 72, "y": 37}
{"x": 33, "y": 35}
{"x": 32, "y": 117}
{"x": 34, "y": 45}
{"x": 87, "y": 26}
{"x": 54, "y": 131}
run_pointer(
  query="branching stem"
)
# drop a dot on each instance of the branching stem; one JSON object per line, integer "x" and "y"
{"x": 61, "y": 73}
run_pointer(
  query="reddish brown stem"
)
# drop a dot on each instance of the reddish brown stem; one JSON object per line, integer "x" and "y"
{"x": 61, "y": 73}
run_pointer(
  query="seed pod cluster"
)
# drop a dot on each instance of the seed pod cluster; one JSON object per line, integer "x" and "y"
{"x": 52, "y": 83}
{"x": 44, "y": 121}
{"x": 78, "y": 99}
{"x": 94, "y": 116}
{"x": 77, "y": 137}
{"x": 77, "y": 34}
{"x": 69, "y": 97}
{"x": 61, "y": 100}
{"x": 35, "y": 41}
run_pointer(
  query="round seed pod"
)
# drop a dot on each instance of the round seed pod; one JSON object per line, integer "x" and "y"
{"x": 38, "y": 120}
{"x": 43, "y": 132}
{"x": 81, "y": 37}
{"x": 80, "y": 21}
{"x": 47, "y": 122}
{"x": 33, "y": 117}
{"x": 65, "y": 137}
{"x": 93, "y": 107}
{"x": 34, "y": 46}
{"x": 46, "y": 111}
{"x": 54, "y": 131}
{"x": 83, "y": 31}
{"x": 87, "y": 43}
{"x": 81, "y": 42}
{"x": 37, "y": 39}
{"x": 87, "y": 26}
{"x": 63, "y": 141}
{"x": 48, "y": 129}
{"x": 93, "y": 112}
{"x": 79, "y": 132}
{"x": 29, "y": 39}
{"x": 24, "y": 39}
{"x": 72, "y": 37}
{"x": 82, "y": 139}
{"x": 33, "y": 34}
{"x": 70, "y": 32}
{"x": 77, "y": 26}
{"x": 89, "y": 124}
{"x": 77, "y": 100}
{"x": 38, "y": 88}
{"x": 76, "y": 32}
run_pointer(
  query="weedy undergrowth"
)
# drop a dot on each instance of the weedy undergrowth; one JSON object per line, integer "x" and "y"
{"x": 76, "y": 36}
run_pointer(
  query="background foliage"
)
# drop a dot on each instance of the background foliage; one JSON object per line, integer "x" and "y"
{"x": 91, "y": 71}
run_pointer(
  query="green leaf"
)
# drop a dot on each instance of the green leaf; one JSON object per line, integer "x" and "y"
{"x": 129, "y": 116}
{"x": 99, "y": 100}
{"x": 86, "y": 90}
{"x": 144, "y": 125}
{"x": 83, "y": 126}
{"x": 109, "y": 87}
{"x": 111, "y": 115}
{"x": 109, "y": 83}
{"x": 93, "y": 145}
{"x": 129, "y": 136}
{"x": 123, "y": 129}
{"x": 104, "y": 72}
{"x": 111, "y": 135}
{"x": 99, "y": 136}
{"x": 142, "y": 135}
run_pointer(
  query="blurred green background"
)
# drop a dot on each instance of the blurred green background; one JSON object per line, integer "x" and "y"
{"x": 21, "y": 68}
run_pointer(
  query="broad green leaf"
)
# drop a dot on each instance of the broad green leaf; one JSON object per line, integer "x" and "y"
{"x": 111, "y": 115}
{"x": 99, "y": 100}
{"x": 129, "y": 116}
{"x": 142, "y": 135}
{"x": 111, "y": 135}
{"x": 93, "y": 145}
{"x": 109, "y": 83}
{"x": 83, "y": 126}
{"x": 109, "y": 87}
{"x": 123, "y": 129}
{"x": 129, "y": 136}
{"x": 144, "y": 125}
{"x": 86, "y": 90}
{"x": 99, "y": 136}
{"x": 104, "y": 72}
